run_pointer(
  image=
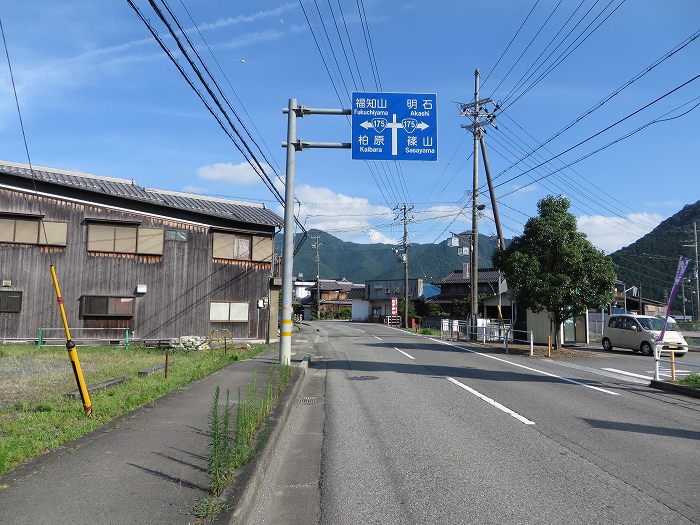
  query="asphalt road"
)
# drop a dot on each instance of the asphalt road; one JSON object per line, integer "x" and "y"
{"x": 419, "y": 431}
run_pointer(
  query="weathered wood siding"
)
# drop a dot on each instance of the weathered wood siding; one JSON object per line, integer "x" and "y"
{"x": 181, "y": 283}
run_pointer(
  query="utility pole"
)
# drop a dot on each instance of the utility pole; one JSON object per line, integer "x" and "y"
{"x": 474, "y": 288}
{"x": 404, "y": 259}
{"x": 316, "y": 244}
{"x": 695, "y": 269}
{"x": 480, "y": 116}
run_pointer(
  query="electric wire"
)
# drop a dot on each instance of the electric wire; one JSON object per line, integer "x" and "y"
{"x": 517, "y": 60}
{"x": 679, "y": 47}
{"x": 563, "y": 57}
{"x": 619, "y": 139}
{"x": 24, "y": 135}
{"x": 509, "y": 44}
{"x": 545, "y": 48}
{"x": 617, "y": 122}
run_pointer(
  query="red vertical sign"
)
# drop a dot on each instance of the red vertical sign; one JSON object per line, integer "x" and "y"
{"x": 394, "y": 306}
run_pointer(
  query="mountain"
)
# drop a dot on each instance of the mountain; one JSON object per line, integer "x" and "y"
{"x": 653, "y": 259}
{"x": 361, "y": 262}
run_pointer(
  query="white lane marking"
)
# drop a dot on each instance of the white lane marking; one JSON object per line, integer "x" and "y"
{"x": 377, "y": 338}
{"x": 566, "y": 379}
{"x": 491, "y": 402}
{"x": 404, "y": 353}
{"x": 631, "y": 374}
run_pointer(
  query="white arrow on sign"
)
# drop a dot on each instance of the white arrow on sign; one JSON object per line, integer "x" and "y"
{"x": 380, "y": 124}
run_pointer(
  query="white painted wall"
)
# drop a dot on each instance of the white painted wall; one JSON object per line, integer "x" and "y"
{"x": 360, "y": 310}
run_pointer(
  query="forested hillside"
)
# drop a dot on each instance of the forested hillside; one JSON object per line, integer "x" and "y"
{"x": 653, "y": 259}
{"x": 360, "y": 262}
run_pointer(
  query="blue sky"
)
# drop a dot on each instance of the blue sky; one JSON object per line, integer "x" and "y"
{"x": 98, "y": 95}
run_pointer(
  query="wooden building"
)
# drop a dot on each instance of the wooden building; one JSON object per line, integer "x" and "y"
{"x": 159, "y": 263}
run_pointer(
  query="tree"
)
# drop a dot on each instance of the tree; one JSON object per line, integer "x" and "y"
{"x": 553, "y": 267}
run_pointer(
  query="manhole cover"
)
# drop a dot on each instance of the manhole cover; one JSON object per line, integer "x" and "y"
{"x": 306, "y": 400}
{"x": 362, "y": 378}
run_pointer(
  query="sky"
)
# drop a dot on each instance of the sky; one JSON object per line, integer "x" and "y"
{"x": 98, "y": 95}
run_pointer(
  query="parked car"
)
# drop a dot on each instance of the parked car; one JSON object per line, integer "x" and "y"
{"x": 640, "y": 332}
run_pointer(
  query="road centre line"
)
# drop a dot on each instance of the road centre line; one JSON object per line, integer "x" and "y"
{"x": 377, "y": 338}
{"x": 631, "y": 374}
{"x": 490, "y": 401}
{"x": 404, "y": 353}
{"x": 566, "y": 379}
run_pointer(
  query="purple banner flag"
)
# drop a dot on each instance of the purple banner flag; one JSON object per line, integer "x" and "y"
{"x": 680, "y": 272}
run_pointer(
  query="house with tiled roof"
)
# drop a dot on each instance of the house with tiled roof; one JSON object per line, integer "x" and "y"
{"x": 155, "y": 262}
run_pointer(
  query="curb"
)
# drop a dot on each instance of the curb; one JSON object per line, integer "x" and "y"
{"x": 242, "y": 492}
{"x": 677, "y": 389}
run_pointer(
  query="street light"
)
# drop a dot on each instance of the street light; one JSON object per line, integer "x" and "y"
{"x": 634, "y": 292}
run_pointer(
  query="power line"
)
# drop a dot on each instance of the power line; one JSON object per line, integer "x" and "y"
{"x": 619, "y": 121}
{"x": 544, "y": 50}
{"x": 528, "y": 45}
{"x": 509, "y": 44}
{"x": 623, "y": 137}
{"x": 679, "y": 47}
{"x": 563, "y": 56}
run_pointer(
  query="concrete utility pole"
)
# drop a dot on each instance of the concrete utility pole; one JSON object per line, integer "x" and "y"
{"x": 404, "y": 258}
{"x": 695, "y": 269}
{"x": 480, "y": 116}
{"x": 316, "y": 244}
{"x": 474, "y": 288}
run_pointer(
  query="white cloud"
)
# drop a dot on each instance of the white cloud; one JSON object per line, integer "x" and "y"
{"x": 239, "y": 174}
{"x": 346, "y": 217}
{"x": 524, "y": 188}
{"x": 195, "y": 189}
{"x": 612, "y": 233}
{"x": 378, "y": 237}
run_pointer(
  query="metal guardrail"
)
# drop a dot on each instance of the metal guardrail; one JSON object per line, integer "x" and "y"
{"x": 89, "y": 335}
{"x": 671, "y": 361}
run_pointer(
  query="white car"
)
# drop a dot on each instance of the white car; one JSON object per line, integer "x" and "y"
{"x": 640, "y": 332}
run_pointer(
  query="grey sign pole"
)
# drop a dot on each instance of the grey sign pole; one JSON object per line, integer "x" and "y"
{"x": 288, "y": 246}
{"x": 293, "y": 145}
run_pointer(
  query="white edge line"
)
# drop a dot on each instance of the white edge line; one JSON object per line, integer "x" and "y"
{"x": 631, "y": 374}
{"x": 566, "y": 379}
{"x": 404, "y": 353}
{"x": 490, "y": 401}
{"x": 378, "y": 338}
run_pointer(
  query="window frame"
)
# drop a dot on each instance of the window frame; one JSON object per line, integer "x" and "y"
{"x": 39, "y": 222}
{"x": 111, "y": 299}
{"x": 235, "y": 237}
{"x": 3, "y": 303}
{"x": 230, "y": 304}
{"x": 138, "y": 228}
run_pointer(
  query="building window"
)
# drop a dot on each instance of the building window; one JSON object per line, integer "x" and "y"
{"x": 228, "y": 312}
{"x": 33, "y": 231}
{"x": 118, "y": 238}
{"x": 10, "y": 301}
{"x": 231, "y": 246}
{"x": 107, "y": 306}
{"x": 175, "y": 235}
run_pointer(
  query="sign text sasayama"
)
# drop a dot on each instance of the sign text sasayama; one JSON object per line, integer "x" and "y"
{"x": 394, "y": 126}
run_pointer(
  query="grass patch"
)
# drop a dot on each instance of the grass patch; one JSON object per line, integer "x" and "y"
{"x": 429, "y": 331}
{"x": 208, "y": 508}
{"x": 230, "y": 449}
{"x": 34, "y": 415}
{"x": 691, "y": 380}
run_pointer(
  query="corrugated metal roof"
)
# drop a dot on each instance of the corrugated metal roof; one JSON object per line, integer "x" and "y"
{"x": 251, "y": 213}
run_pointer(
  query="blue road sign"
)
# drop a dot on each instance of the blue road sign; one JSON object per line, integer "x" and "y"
{"x": 394, "y": 126}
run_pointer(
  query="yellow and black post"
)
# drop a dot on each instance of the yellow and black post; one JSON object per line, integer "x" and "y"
{"x": 70, "y": 346}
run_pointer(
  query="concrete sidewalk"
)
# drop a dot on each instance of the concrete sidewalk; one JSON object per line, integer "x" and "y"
{"x": 148, "y": 466}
